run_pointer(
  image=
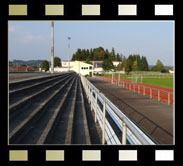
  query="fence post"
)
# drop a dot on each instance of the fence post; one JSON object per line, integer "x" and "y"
{"x": 89, "y": 95}
{"x": 158, "y": 95}
{"x": 96, "y": 96}
{"x": 150, "y": 92}
{"x": 103, "y": 127}
{"x": 112, "y": 78}
{"x": 88, "y": 91}
{"x": 168, "y": 98}
{"x": 138, "y": 89}
{"x": 124, "y": 133}
{"x": 144, "y": 91}
{"x": 134, "y": 87}
{"x": 118, "y": 79}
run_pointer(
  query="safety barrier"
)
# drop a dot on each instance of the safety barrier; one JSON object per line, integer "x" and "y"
{"x": 131, "y": 133}
{"x": 159, "y": 94}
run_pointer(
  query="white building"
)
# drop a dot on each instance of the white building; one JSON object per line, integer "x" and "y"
{"x": 76, "y": 66}
{"x": 97, "y": 65}
{"x": 171, "y": 71}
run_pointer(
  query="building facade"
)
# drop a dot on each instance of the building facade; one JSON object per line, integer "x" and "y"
{"x": 76, "y": 66}
{"x": 97, "y": 65}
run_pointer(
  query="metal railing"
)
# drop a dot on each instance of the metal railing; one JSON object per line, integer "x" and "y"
{"x": 161, "y": 95}
{"x": 131, "y": 134}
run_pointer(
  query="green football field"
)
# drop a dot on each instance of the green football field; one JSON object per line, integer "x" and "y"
{"x": 163, "y": 82}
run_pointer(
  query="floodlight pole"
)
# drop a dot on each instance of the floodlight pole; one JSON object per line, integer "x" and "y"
{"x": 52, "y": 47}
{"x": 69, "y": 52}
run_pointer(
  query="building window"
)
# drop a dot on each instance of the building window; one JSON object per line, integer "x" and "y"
{"x": 90, "y": 67}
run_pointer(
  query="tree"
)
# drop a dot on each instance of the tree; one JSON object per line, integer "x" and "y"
{"x": 159, "y": 66}
{"x": 113, "y": 55}
{"x": 45, "y": 65}
{"x": 145, "y": 64}
{"x": 88, "y": 61}
{"x": 23, "y": 65}
{"x": 127, "y": 66}
{"x": 107, "y": 64}
{"x": 10, "y": 63}
{"x": 57, "y": 61}
{"x": 98, "y": 53}
{"x": 118, "y": 57}
{"x": 134, "y": 66}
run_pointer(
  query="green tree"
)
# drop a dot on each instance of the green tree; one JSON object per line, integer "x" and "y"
{"x": 23, "y": 65}
{"x": 57, "y": 61}
{"x": 10, "y": 63}
{"x": 134, "y": 66}
{"x": 159, "y": 66}
{"x": 107, "y": 64}
{"x": 144, "y": 64}
{"x": 45, "y": 65}
{"x": 127, "y": 66}
{"x": 98, "y": 53}
{"x": 113, "y": 55}
{"x": 118, "y": 57}
{"x": 91, "y": 54}
{"x": 88, "y": 61}
{"x": 107, "y": 54}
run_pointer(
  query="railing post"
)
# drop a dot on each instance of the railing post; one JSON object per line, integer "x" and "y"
{"x": 112, "y": 78}
{"x": 134, "y": 87}
{"x": 168, "y": 98}
{"x": 138, "y": 89}
{"x": 96, "y": 98}
{"x": 103, "y": 127}
{"x": 144, "y": 91}
{"x": 118, "y": 79}
{"x": 158, "y": 95}
{"x": 90, "y": 94}
{"x": 124, "y": 133}
{"x": 88, "y": 91}
{"x": 150, "y": 92}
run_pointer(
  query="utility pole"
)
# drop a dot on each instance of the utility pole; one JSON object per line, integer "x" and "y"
{"x": 69, "y": 52}
{"x": 52, "y": 47}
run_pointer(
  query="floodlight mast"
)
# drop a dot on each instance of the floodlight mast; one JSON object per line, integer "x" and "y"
{"x": 69, "y": 52}
{"x": 52, "y": 47}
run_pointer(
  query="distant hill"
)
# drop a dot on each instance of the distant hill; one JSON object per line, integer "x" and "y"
{"x": 27, "y": 63}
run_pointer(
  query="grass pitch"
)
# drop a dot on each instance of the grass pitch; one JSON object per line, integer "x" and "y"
{"x": 163, "y": 82}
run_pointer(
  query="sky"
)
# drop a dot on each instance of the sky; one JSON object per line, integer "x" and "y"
{"x": 31, "y": 40}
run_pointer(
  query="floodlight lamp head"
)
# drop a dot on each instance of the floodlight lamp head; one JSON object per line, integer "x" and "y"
{"x": 69, "y": 38}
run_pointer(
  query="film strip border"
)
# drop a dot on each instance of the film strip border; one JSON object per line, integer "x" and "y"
{"x": 91, "y": 155}
{"x": 90, "y": 10}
